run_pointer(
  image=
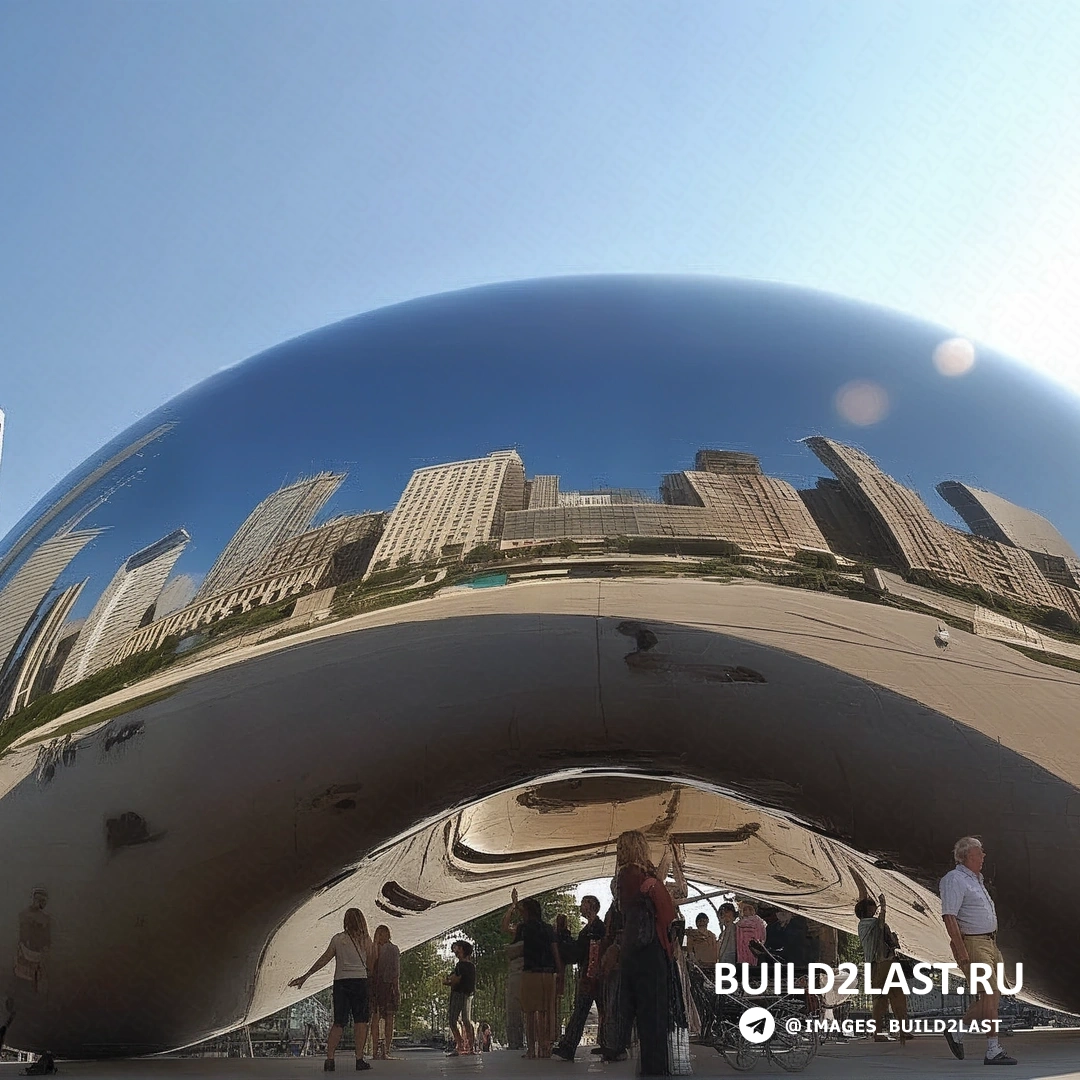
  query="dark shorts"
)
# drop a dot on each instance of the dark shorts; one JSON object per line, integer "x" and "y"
{"x": 351, "y": 996}
{"x": 460, "y": 1007}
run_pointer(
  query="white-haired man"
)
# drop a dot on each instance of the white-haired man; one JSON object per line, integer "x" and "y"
{"x": 971, "y": 920}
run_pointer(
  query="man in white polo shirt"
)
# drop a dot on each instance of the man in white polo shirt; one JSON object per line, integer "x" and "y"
{"x": 971, "y": 920}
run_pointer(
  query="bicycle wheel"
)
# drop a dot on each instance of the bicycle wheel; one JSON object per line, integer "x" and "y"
{"x": 792, "y": 1052}
{"x": 739, "y": 1053}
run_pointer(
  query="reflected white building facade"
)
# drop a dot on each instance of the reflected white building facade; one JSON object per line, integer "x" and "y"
{"x": 26, "y": 673}
{"x": 448, "y": 510}
{"x": 33, "y": 582}
{"x": 122, "y": 606}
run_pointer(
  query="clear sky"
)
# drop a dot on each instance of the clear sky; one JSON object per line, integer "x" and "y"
{"x": 185, "y": 184}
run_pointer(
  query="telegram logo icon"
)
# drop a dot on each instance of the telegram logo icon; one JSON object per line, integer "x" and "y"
{"x": 757, "y": 1025}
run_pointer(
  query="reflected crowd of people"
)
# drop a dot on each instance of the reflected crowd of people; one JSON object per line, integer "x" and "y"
{"x": 639, "y": 966}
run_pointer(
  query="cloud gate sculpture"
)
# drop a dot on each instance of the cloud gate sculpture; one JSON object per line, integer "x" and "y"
{"x": 439, "y": 599}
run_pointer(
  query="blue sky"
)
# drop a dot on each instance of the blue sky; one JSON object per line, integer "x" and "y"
{"x": 187, "y": 184}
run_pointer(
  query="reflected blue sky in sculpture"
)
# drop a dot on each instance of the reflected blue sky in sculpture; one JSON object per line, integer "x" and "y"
{"x": 605, "y": 381}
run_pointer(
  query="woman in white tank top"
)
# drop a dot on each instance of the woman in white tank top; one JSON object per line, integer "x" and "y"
{"x": 351, "y": 952}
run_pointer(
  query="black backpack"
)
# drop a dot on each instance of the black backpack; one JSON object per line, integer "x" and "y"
{"x": 639, "y": 924}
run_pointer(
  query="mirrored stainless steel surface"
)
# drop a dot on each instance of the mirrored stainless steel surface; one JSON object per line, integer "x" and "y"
{"x": 436, "y": 600}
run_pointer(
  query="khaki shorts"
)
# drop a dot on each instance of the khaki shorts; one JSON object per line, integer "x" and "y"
{"x": 538, "y": 991}
{"x": 981, "y": 949}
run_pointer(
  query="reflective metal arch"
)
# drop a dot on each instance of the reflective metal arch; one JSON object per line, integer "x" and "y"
{"x": 243, "y": 646}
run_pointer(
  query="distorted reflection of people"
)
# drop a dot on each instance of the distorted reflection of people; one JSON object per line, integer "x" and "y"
{"x": 587, "y": 990}
{"x": 726, "y": 945}
{"x": 386, "y": 992}
{"x": 609, "y": 1038}
{"x": 462, "y": 983}
{"x": 800, "y": 947}
{"x": 750, "y": 927}
{"x": 702, "y": 944}
{"x": 541, "y": 979}
{"x": 879, "y": 946}
{"x": 646, "y": 959}
{"x": 775, "y": 937}
{"x": 35, "y": 942}
{"x": 351, "y": 952}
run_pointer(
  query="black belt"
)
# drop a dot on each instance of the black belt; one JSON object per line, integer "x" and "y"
{"x": 992, "y": 935}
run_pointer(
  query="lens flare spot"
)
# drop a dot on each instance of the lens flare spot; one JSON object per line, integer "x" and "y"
{"x": 862, "y": 402}
{"x": 954, "y": 357}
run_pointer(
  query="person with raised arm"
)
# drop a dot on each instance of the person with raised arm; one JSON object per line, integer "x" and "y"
{"x": 542, "y": 977}
{"x": 879, "y": 945}
{"x": 351, "y": 952}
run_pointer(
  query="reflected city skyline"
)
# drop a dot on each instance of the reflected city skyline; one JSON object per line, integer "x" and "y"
{"x": 488, "y": 512}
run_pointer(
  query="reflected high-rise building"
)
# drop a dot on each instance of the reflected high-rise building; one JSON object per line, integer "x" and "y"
{"x": 447, "y": 510}
{"x": 129, "y": 596}
{"x": 286, "y": 513}
{"x": 178, "y": 592}
{"x": 989, "y": 515}
{"x": 343, "y": 547}
{"x": 33, "y": 581}
{"x": 322, "y": 558}
{"x": 543, "y": 492}
{"x": 727, "y": 462}
{"x": 847, "y": 525}
{"x": 759, "y": 513}
{"x": 918, "y": 542}
{"x": 728, "y": 506}
{"x": 57, "y": 509}
{"x": 24, "y": 680}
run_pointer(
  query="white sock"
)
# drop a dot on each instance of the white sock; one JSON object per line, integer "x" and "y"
{"x": 993, "y": 1047}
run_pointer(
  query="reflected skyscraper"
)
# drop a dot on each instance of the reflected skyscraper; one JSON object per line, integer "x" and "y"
{"x": 132, "y": 591}
{"x": 543, "y": 492}
{"x": 989, "y": 515}
{"x": 731, "y": 506}
{"x": 761, "y": 514}
{"x": 321, "y": 558}
{"x": 286, "y": 513}
{"x": 33, "y": 581}
{"x": 919, "y": 543}
{"x": 84, "y": 486}
{"x": 447, "y": 510}
{"x": 22, "y": 682}
{"x": 178, "y": 592}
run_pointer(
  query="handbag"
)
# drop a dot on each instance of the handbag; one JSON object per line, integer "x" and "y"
{"x": 592, "y": 966}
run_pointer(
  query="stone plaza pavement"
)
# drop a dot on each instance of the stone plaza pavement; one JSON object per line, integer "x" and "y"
{"x": 1040, "y": 1054}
